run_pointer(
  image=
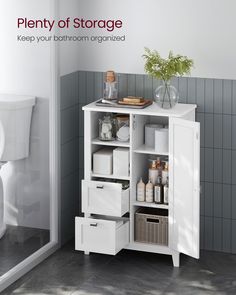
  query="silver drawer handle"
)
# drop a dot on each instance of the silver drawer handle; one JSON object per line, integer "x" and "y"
{"x": 100, "y": 186}
{"x": 94, "y": 224}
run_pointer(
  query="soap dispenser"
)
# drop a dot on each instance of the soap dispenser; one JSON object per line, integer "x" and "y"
{"x": 153, "y": 172}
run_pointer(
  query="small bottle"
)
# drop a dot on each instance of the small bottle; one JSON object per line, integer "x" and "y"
{"x": 158, "y": 192}
{"x": 159, "y": 166}
{"x": 141, "y": 191}
{"x": 166, "y": 192}
{"x": 149, "y": 192}
{"x": 165, "y": 173}
{"x": 153, "y": 172}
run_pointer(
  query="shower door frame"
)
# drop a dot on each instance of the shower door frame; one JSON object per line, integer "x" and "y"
{"x": 54, "y": 171}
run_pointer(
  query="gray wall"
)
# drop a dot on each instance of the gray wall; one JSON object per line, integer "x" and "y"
{"x": 70, "y": 154}
{"x": 216, "y": 100}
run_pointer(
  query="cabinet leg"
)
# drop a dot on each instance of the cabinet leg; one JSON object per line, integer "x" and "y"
{"x": 86, "y": 252}
{"x": 175, "y": 258}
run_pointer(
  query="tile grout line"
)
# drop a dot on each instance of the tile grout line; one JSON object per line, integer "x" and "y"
{"x": 204, "y": 98}
{"x": 231, "y": 187}
{"x": 213, "y": 203}
{"x": 222, "y": 153}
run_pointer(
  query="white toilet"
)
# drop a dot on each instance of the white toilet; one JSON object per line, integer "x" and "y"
{"x": 15, "y": 121}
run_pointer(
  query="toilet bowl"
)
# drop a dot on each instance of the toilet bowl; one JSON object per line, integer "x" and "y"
{"x": 2, "y": 224}
{"x": 15, "y": 122}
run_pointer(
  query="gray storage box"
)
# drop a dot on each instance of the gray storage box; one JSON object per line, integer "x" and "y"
{"x": 151, "y": 226}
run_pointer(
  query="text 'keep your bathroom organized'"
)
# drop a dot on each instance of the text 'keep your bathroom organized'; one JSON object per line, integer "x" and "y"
{"x": 68, "y": 38}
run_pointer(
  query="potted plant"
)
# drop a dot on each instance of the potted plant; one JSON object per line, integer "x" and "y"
{"x": 166, "y": 95}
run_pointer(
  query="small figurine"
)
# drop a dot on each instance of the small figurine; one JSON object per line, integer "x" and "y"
{"x": 106, "y": 128}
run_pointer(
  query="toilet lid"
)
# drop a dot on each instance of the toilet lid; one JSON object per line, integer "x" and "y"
{"x": 13, "y": 101}
{"x": 2, "y": 140}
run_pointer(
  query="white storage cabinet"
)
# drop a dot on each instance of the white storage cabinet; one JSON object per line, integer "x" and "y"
{"x": 109, "y": 211}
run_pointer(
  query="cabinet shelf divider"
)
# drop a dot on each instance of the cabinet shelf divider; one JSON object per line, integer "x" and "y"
{"x": 143, "y": 149}
{"x": 150, "y": 205}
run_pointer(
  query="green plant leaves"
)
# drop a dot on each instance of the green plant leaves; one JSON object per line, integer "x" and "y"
{"x": 165, "y": 69}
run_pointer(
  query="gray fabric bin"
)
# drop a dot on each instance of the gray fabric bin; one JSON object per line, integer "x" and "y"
{"x": 151, "y": 226}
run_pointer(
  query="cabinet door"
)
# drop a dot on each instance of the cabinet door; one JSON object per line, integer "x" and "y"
{"x": 184, "y": 188}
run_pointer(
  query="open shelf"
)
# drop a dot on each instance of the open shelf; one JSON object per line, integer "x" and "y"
{"x": 111, "y": 176}
{"x": 151, "y": 205}
{"x": 147, "y": 247}
{"x": 97, "y": 141}
{"x": 143, "y": 149}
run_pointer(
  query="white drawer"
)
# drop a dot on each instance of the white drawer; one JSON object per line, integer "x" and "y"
{"x": 104, "y": 198}
{"x": 101, "y": 236}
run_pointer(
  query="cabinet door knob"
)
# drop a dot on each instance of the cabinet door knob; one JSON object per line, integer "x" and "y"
{"x": 100, "y": 186}
{"x": 93, "y": 224}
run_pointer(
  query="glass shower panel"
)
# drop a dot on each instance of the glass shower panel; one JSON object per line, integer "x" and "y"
{"x": 24, "y": 180}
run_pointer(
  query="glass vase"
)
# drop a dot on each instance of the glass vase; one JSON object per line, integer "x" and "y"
{"x": 166, "y": 95}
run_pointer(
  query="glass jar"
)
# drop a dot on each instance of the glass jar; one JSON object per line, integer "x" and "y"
{"x": 107, "y": 128}
{"x": 110, "y": 90}
{"x": 122, "y": 127}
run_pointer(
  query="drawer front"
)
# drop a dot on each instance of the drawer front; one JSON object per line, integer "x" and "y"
{"x": 100, "y": 236}
{"x": 104, "y": 198}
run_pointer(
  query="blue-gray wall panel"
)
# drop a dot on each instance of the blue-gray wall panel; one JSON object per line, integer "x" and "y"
{"x": 217, "y": 234}
{"x": 209, "y": 96}
{"x": 208, "y": 233}
{"x": 217, "y": 167}
{"x": 208, "y": 164}
{"x": 227, "y": 131}
{"x": 227, "y": 97}
{"x": 139, "y": 82}
{"x": 227, "y": 235}
{"x": 233, "y": 235}
{"x": 209, "y": 130}
{"x": 218, "y": 200}
{"x": 218, "y": 96}
{"x": 234, "y": 97}
{"x": 227, "y": 166}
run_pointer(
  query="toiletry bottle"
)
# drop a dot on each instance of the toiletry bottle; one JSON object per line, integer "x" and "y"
{"x": 141, "y": 191}
{"x": 149, "y": 192}
{"x": 159, "y": 166}
{"x": 166, "y": 192}
{"x": 153, "y": 172}
{"x": 165, "y": 173}
{"x": 158, "y": 192}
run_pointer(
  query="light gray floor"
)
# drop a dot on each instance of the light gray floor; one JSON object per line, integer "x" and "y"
{"x": 133, "y": 273}
{"x": 18, "y": 243}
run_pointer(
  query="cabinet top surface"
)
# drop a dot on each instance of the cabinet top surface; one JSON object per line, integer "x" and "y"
{"x": 179, "y": 110}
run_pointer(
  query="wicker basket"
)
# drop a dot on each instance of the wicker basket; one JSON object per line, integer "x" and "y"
{"x": 151, "y": 226}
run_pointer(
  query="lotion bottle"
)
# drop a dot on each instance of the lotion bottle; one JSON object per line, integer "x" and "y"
{"x": 158, "y": 192}
{"x": 159, "y": 166}
{"x": 153, "y": 172}
{"x": 165, "y": 173}
{"x": 149, "y": 192}
{"x": 166, "y": 192}
{"x": 141, "y": 191}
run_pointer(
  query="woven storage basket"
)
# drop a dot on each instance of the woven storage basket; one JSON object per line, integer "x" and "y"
{"x": 151, "y": 226}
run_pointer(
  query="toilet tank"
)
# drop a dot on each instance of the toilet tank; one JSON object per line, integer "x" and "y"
{"x": 15, "y": 120}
